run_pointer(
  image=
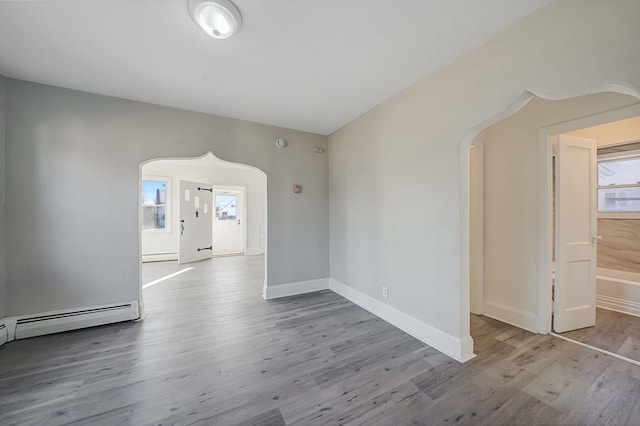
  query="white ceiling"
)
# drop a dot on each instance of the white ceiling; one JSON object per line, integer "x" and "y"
{"x": 310, "y": 65}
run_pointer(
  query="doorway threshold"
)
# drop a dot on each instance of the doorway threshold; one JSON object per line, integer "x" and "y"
{"x": 603, "y": 351}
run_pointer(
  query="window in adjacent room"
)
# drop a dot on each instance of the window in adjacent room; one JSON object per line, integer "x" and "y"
{"x": 619, "y": 185}
{"x": 155, "y": 204}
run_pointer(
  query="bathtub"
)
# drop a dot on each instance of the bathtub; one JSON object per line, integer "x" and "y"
{"x": 618, "y": 291}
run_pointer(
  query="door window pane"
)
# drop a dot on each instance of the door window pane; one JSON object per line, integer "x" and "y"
{"x": 226, "y": 207}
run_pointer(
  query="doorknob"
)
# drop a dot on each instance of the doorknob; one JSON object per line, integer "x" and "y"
{"x": 238, "y": 221}
{"x": 596, "y": 238}
{"x": 182, "y": 227}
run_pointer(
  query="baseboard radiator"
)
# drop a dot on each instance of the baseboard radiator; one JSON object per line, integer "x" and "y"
{"x": 23, "y": 327}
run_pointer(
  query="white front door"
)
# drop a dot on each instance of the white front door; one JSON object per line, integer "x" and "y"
{"x": 576, "y": 210}
{"x": 196, "y": 212}
{"x": 228, "y": 222}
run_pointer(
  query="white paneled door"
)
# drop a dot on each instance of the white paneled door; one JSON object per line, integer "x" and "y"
{"x": 576, "y": 234}
{"x": 228, "y": 222}
{"x": 196, "y": 213}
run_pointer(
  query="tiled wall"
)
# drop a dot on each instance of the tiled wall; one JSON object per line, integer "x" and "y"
{"x": 619, "y": 248}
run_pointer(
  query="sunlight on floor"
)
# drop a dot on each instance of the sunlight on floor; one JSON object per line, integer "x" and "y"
{"x": 159, "y": 280}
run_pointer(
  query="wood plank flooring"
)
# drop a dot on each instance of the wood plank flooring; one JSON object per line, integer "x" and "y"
{"x": 614, "y": 332}
{"x": 212, "y": 352}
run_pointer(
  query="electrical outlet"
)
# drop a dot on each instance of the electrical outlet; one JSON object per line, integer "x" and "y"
{"x": 385, "y": 292}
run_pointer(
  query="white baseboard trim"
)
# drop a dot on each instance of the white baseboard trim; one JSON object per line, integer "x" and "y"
{"x": 455, "y": 348}
{"x": 619, "y": 305}
{"x": 25, "y": 326}
{"x": 624, "y": 277}
{"x": 511, "y": 316}
{"x": 293, "y": 289}
{"x": 159, "y": 257}
{"x": 466, "y": 349}
{"x": 254, "y": 252}
{"x": 141, "y": 312}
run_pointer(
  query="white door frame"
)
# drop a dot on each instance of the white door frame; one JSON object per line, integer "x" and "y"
{"x": 545, "y": 213}
{"x": 544, "y": 193}
{"x": 476, "y": 226}
{"x": 242, "y": 189}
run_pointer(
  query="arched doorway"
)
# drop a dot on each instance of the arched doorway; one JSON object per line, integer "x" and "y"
{"x": 232, "y": 194}
{"x": 540, "y": 195}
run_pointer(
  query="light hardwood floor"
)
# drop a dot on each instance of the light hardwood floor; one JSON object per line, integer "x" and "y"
{"x": 614, "y": 332}
{"x": 212, "y": 352}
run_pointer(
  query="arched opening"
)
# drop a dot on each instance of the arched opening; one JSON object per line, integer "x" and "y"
{"x": 539, "y": 196}
{"x": 182, "y": 228}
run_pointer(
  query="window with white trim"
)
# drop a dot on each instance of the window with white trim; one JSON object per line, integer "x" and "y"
{"x": 155, "y": 194}
{"x": 619, "y": 184}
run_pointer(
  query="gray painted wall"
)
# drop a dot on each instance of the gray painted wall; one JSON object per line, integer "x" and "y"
{"x": 395, "y": 172}
{"x": 72, "y": 192}
{"x": 3, "y": 280}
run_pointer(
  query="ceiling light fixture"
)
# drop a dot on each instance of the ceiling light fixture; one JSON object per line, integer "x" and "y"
{"x": 218, "y": 18}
